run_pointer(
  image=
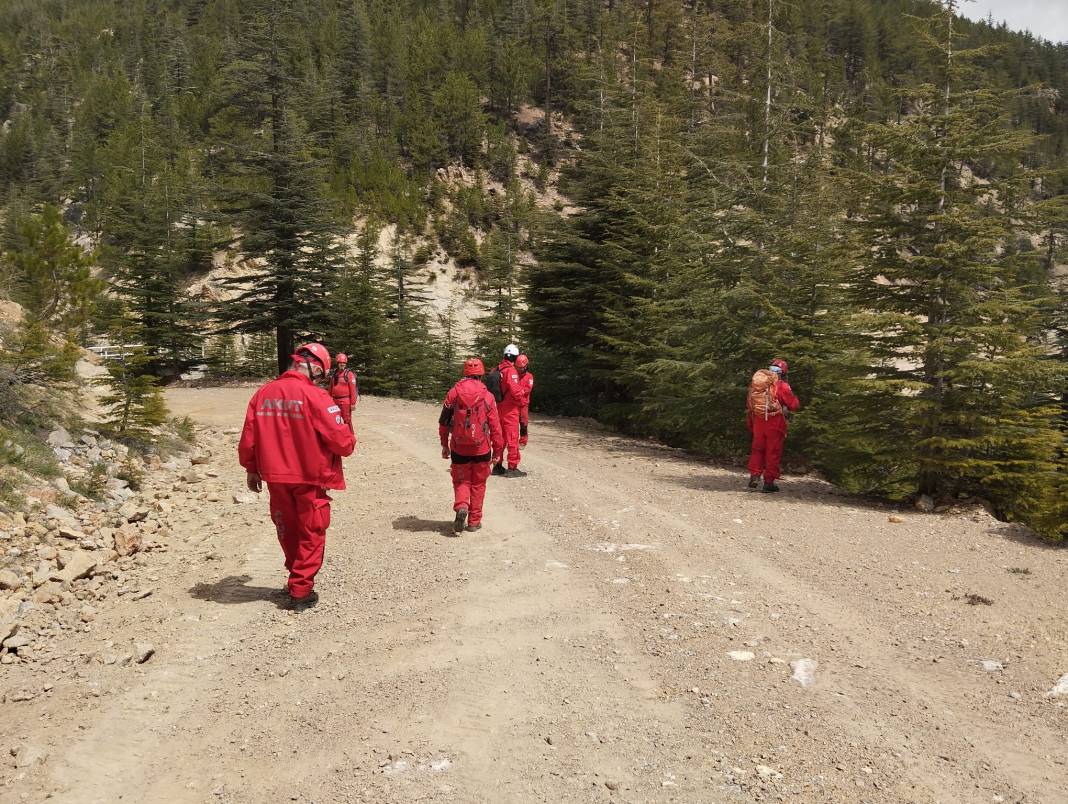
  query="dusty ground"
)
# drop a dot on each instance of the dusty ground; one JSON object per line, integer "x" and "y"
{"x": 576, "y": 649}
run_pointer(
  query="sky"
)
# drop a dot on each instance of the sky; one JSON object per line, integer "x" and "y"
{"x": 1045, "y": 18}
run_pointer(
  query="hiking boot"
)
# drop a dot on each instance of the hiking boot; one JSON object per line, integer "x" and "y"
{"x": 498, "y": 469}
{"x": 770, "y": 488}
{"x": 515, "y": 473}
{"x": 473, "y": 528}
{"x": 754, "y": 481}
{"x": 303, "y": 603}
{"x": 459, "y": 522}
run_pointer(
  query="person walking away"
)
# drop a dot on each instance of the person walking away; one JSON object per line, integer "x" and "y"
{"x": 770, "y": 397}
{"x": 470, "y": 431}
{"x": 293, "y": 440}
{"x": 344, "y": 388}
{"x": 526, "y": 380}
{"x": 509, "y": 403}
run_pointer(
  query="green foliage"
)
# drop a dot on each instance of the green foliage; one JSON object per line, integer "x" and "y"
{"x": 131, "y": 397}
{"x": 94, "y": 483}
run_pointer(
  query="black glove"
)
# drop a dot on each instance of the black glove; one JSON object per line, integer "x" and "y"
{"x": 523, "y": 430}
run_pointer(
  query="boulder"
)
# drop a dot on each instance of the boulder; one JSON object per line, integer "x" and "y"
{"x": 9, "y": 614}
{"x": 61, "y": 485}
{"x": 9, "y": 580}
{"x": 67, "y": 532}
{"x": 79, "y": 565}
{"x": 128, "y": 540}
{"x": 62, "y": 515}
{"x": 925, "y": 503}
{"x": 132, "y": 512}
{"x": 60, "y": 438}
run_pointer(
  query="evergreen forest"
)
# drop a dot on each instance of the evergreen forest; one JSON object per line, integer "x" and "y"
{"x": 874, "y": 190}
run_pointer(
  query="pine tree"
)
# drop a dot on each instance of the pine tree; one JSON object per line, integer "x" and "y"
{"x": 960, "y": 393}
{"x": 408, "y": 348}
{"x": 131, "y": 397}
{"x": 358, "y": 321}
{"x": 291, "y": 244}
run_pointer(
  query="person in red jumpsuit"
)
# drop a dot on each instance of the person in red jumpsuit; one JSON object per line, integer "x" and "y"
{"x": 470, "y": 433}
{"x": 769, "y": 432}
{"x": 509, "y": 408}
{"x": 294, "y": 439}
{"x": 344, "y": 388}
{"x": 526, "y": 380}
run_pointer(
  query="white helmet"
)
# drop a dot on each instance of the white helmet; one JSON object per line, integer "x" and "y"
{"x": 511, "y": 350}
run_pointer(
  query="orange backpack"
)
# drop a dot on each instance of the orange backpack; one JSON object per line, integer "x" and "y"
{"x": 763, "y": 401}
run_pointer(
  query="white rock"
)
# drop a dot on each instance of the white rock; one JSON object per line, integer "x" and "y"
{"x": 143, "y": 651}
{"x": 60, "y": 438}
{"x": 64, "y": 516}
{"x": 764, "y": 772}
{"x": 742, "y": 655}
{"x": 804, "y": 672}
{"x": 245, "y": 497}
{"x": 991, "y": 665}
{"x": 1060, "y": 688}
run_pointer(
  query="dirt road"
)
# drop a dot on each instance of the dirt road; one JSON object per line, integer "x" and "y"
{"x": 622, "y": 629}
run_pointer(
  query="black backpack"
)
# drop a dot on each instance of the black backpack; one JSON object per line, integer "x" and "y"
{"x": 493, "y": 382}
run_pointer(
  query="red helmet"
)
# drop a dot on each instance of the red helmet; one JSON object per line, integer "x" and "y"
{"x": 313, "y": 351}
{"x": 341, "y": 357}
{"x": 473, "y": 367}
{"x": 781, "y": 364}
{"x": 522, "y": 362}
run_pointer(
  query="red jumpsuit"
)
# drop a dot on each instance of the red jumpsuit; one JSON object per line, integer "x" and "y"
{"x": 470, "y": 466}
{"x": 526, "y": 380}
{"x": 769, "y": 435}
{"x": 345, "y": 391}
{"x": 509, "y": 409}
{"x": 294, "y": 438}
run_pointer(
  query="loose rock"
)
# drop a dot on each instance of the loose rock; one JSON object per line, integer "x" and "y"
{"x": 741, "y": 655}
{"x": 1060, "y": 688}
{"x": 143, "y": 652}
{"x": 804, "y": 672}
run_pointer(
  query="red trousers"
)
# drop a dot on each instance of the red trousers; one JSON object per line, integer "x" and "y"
{"x": 469, "y": 488}
{"x": 301, "y": 515}
{"x": 766, "y": 455}
{"x": 510, "y": 426}
{"x": 346, "y": 411}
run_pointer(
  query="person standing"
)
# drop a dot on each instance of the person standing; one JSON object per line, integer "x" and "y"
{"x": 344, "y": 388}
{"x": 511, "y": 402}
{"x": 770, "y": 397}
{"x": 470, "y": 431}
{"x": 293, "y": 440}
{"x": 526, "y": 380}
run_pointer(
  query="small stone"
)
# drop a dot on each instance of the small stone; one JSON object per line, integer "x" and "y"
{"x": 61, "y": 514}
{"x": 60, "y": 438}
{"x": 73, "y": 534}
{"x": 9, "y": 580}
{"x": 87, "y": 614}
{"x": 991, "y": 665}
{"x": 611, "y": 784}
{"x": 245, "y": 497}
{"x": 897, "y": 520}
{"x": 198, "y": 460}
{"x": 1015, "y": 695}
{"x": 1060, "y": 688}
{"x": 143, "y": 652}
{"x": 29, "y": 755}
{"x": 764, "y": 772}
{"x": 925, "y": 503}
{"x": 804, "y": 672}
{"x": 742, "y": 655}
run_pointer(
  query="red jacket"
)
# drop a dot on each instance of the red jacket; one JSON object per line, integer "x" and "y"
{"x": 526, "y": 381}
{"x": 470, "y": 391}
{"x": 294, "y": 433}
{"x": 510, "y": 387}
{"x": 785, "y": 394}
{"x": 343, "y": 387}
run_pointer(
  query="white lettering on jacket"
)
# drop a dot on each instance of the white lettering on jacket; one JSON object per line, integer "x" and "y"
{"x": 285, "y": 408}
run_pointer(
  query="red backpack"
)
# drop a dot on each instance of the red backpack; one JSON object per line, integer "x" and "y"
{"x": 470, "y": 419}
